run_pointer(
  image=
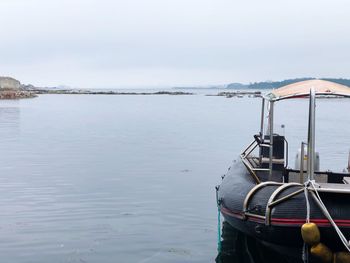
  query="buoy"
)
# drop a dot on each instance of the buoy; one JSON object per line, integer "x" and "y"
{"x": 341, "y": 257}
{"x": 322, "y": 252}
{"x": 310, "y": 234}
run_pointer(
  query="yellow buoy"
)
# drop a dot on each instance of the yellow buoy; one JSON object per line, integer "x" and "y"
{"x": 322, "y": 252}
{"x": 341, "y": 257}
{"x": 310, "y": 234}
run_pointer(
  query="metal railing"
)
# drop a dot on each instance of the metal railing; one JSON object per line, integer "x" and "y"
{"x": 253, "y": 163}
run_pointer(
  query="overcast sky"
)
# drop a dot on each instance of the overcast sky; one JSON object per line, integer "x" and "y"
{"x": 115, "y": 43}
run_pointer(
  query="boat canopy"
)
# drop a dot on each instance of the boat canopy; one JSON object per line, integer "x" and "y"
{"x": 302, "y": 89}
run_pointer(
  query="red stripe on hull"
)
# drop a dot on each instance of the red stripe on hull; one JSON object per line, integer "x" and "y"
{"x": 286, "y": 221}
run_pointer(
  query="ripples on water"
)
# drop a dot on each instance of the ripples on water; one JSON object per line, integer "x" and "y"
{"x": 131, "y": 178}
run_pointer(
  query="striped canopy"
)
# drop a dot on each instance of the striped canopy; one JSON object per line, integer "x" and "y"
{"x": 302, "y": 89}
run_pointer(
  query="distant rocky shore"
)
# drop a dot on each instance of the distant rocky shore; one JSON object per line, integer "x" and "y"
{"x": 11, "y": 88}
{"x": 16, "y": 94}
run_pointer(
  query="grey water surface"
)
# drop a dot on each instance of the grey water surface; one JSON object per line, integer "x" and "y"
{"x": 131, "y": 178}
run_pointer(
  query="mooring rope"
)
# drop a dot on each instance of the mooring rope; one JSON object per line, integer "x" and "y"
{"x": 305, "y": 251}
{"x": 218, "y": 202}
{"x": 219, "y": 229}
{"x": 307, "y": 204}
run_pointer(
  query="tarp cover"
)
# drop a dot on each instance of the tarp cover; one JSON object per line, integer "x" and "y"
{"x": 302, "y": 88}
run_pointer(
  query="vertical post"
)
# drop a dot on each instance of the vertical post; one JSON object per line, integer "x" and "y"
{"x": 262, "y": 119}
{"x": 311, "y": 136}
{"x": 302, "y": 154}
{"x": 271, "y": 138}
{"x": 348, "y": 163}
{"x": 262, "y": 129}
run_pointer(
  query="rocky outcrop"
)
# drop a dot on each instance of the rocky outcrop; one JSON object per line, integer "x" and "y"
{"x": 8, "y": 83}
{"x": 16, "y": 94}
{"x": 11, "y": 88}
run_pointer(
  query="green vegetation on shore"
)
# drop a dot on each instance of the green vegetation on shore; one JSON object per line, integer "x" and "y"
{"x": 278, "y": 84}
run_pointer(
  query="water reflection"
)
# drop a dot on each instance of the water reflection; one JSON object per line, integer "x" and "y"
{"x": 9, "y": 120}
{"x": 237, "y": 247}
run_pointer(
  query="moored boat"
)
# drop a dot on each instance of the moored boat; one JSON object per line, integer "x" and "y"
{"x": 265, "y": 199}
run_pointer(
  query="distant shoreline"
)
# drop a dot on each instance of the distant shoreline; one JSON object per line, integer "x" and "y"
{"x": 11, "y": 88}
{"x": 88, "y": 92}
{"x": 225, "y": 93}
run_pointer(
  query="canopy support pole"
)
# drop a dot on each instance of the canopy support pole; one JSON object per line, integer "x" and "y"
{"x": 271, "y": 138}
{"x": 262, "y": 119}
{"x": 311, "y": 136}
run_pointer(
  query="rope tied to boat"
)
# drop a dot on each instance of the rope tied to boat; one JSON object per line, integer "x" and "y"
{"x": 324, "y": 210}
{"x": 306, "y": 192}
{"x": 305, "y": 251}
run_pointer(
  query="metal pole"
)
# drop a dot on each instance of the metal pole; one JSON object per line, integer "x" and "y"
{"x": 302, "y": 153}
{"x": 262, "y": 119}
{"x": 311, "y": 136}
{"x": 349, "y": 163}
{"x": 271, "y": 138}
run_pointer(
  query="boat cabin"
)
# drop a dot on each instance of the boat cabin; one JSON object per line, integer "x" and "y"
{"x": 266, "y": 158}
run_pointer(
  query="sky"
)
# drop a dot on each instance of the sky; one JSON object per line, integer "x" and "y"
{"x": 153, "y": 43}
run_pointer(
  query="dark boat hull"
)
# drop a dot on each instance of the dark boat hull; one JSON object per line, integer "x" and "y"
{"x": 237, "y": 247}
{"x": 283, "y": 232}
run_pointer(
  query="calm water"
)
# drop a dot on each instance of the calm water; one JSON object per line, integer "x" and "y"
{"x": 131, "y": 178}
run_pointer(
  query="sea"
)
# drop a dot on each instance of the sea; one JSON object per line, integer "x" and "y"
{"x": 104, "y": 178}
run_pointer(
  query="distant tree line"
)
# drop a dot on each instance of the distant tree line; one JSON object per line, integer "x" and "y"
{"x": 345, "y": 82}
{"x": 278, "y": 84}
